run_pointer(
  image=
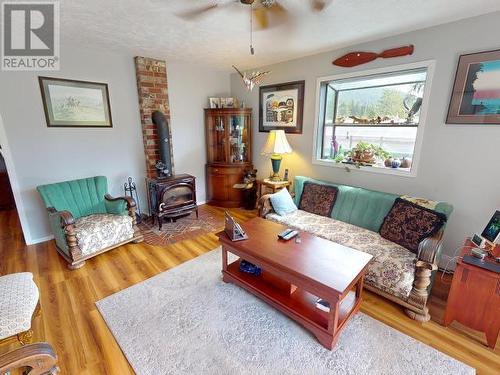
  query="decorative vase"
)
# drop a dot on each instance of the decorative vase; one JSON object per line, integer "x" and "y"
{"x": 388, "y": 162}
{"x": 396, "y": 163}
{"x": 406, "y": 162}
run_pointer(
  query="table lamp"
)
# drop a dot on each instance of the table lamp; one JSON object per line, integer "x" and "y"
{"x": 276, "y": 146}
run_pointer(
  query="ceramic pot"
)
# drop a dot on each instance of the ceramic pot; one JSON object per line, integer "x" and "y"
{"x": 406, "y": 163}
{"x": 396, "y": 163}
{"x": 388, "y": 162}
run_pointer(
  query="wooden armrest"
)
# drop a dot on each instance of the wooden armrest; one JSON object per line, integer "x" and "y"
{"x": 66, "y": 216}
{"x": 430, "y": 247}
{"x": 40, "y": 357}
{"x": 264, "y": 205}
{"x": 130, "y": 201}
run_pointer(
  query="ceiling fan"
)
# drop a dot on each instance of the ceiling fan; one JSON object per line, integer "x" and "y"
{"x": 267, "y": 13}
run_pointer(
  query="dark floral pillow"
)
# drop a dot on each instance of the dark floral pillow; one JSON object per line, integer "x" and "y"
{"x": 318, "y": 199}
{"x": 407, "y": 224}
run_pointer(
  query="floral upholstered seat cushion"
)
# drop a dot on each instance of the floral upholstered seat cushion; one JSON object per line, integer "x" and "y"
{"x": 98, "y": 231}
{"x": 393, "y": 267}
{"x": 18, "y": 299}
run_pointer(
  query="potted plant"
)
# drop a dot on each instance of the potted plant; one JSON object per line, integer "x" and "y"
{"x": 367, "y": 153}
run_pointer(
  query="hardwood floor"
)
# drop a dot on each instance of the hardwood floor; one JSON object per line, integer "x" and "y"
{"x": 71, "y": 323}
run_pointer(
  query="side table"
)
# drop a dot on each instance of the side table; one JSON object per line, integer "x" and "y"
{"x": 474, "y": 298}
{"x": 274, "y": 186}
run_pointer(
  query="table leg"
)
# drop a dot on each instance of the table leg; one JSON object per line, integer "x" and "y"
{"x": 224, "y": 264}
{"x": 359, "y": 287}
{"x": 491, "y": 337}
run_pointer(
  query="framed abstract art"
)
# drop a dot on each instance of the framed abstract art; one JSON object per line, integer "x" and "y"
{"x": 281, "y": 106}
{"x": 476, "y": 93}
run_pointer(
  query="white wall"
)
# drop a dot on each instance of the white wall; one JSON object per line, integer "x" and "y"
{"x": 458, "y": 163}
{"x": 43, "y": 155}
{"x": 189, "y": 87}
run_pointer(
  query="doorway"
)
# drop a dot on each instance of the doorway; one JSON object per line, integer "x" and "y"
{"x": 7, "y": 201}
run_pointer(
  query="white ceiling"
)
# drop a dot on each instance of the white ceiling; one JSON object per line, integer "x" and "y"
{"x": 221, "y": 37}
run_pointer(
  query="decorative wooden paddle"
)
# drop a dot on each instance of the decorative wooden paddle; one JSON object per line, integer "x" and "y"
{"x": 359, "y": 58}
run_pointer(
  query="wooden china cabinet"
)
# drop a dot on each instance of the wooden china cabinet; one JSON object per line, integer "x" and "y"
{"x": 228, "y": 134}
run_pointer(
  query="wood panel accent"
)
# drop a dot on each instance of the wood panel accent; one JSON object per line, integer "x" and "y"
{"x": 71, "y": 323}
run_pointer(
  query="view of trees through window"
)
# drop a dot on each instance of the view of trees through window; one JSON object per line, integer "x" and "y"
{"x": 382, "y": 110}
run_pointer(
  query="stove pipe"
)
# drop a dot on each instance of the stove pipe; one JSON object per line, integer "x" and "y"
{"x": 163, "y": 128}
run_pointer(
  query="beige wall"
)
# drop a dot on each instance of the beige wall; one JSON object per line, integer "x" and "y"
{"x": 458, "y": 163}
{"x": 189, "y": 87}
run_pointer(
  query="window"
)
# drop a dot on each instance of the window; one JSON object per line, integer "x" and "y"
{"x": 367, "y": 120}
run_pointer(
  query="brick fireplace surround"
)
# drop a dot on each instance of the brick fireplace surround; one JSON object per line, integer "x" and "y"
{"x": 152, "y": 89}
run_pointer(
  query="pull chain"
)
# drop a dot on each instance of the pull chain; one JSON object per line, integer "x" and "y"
{"x": 252, "y": 52}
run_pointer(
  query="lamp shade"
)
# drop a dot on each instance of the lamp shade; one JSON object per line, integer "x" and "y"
{"x": 276, "y": 143}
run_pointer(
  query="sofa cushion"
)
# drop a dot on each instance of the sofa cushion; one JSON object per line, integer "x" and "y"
{"x": 408, "y": 223}
{"x": 18, "y": 299}
{"x": 282, "y": 202}
{"x": 96, "y": 232}
{"x": 392, "y": 269}
{"x": 318, "y": 199}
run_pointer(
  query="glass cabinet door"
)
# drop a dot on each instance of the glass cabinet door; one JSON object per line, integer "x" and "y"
{"x": 239, "y": 139}
{"x": 217, "y": 139}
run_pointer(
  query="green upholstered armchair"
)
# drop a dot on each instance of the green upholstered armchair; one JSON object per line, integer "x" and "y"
{"x": 86, "y": 220}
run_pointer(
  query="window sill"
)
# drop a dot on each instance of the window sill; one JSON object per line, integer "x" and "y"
{"x": 374, "y": 169}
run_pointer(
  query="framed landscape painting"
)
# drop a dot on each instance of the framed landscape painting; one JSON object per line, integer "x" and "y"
{"x": 476, "y": 92}
{"x": 78, "y": 104}
{"x": 281, "y": 106}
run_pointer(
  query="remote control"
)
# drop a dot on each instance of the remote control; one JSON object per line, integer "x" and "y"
{"x": 290, "y": 235}
{"x": 285, "y": 232}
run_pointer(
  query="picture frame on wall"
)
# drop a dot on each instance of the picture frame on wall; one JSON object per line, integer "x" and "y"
{"x": 75, "y": 104}
{"x": 475, "y": 99}
{"x": 281, "y": 106}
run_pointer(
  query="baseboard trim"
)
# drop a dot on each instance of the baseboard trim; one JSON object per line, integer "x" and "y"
{"x": 35, "y": 241}
{"x": 447, "y": 263}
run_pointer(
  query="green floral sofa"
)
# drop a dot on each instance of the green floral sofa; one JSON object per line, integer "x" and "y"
{"x": 395, "y": 272}
{"x": 86, "y": 220}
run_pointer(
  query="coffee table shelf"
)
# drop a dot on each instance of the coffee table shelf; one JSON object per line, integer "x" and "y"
{"x": 297, "y": 303}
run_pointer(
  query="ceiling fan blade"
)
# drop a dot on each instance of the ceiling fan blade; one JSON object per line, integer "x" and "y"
{"x": 260, "y": 15}
{"x": 195, "y": 13}
{"x": 271, "y": 16}
{"x": 319, "y": 5}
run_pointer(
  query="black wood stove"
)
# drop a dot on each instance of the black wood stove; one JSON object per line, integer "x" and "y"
{"x": 171, "y": 197}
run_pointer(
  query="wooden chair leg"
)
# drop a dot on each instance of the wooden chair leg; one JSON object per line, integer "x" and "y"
{"x": 75, "y": 266}
{"x": 38, "y": 310}
{"x": 25, "y": 337}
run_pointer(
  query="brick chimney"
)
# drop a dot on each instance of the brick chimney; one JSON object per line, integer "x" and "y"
{"x": 152, "y": 88}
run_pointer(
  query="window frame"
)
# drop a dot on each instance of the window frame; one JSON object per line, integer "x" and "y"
{"x": 429, "y": 65}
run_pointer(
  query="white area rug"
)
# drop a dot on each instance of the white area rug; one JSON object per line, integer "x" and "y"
{"x": 187, "y": 321}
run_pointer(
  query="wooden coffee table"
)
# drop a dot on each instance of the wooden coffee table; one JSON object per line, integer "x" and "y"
{"x": 294, "y": 275}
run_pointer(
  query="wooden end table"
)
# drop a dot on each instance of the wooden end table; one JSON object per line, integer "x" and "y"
{"x": 294, "y": 275}
{"x": 274, "y": 186}
{"x": 474, "y": 298}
